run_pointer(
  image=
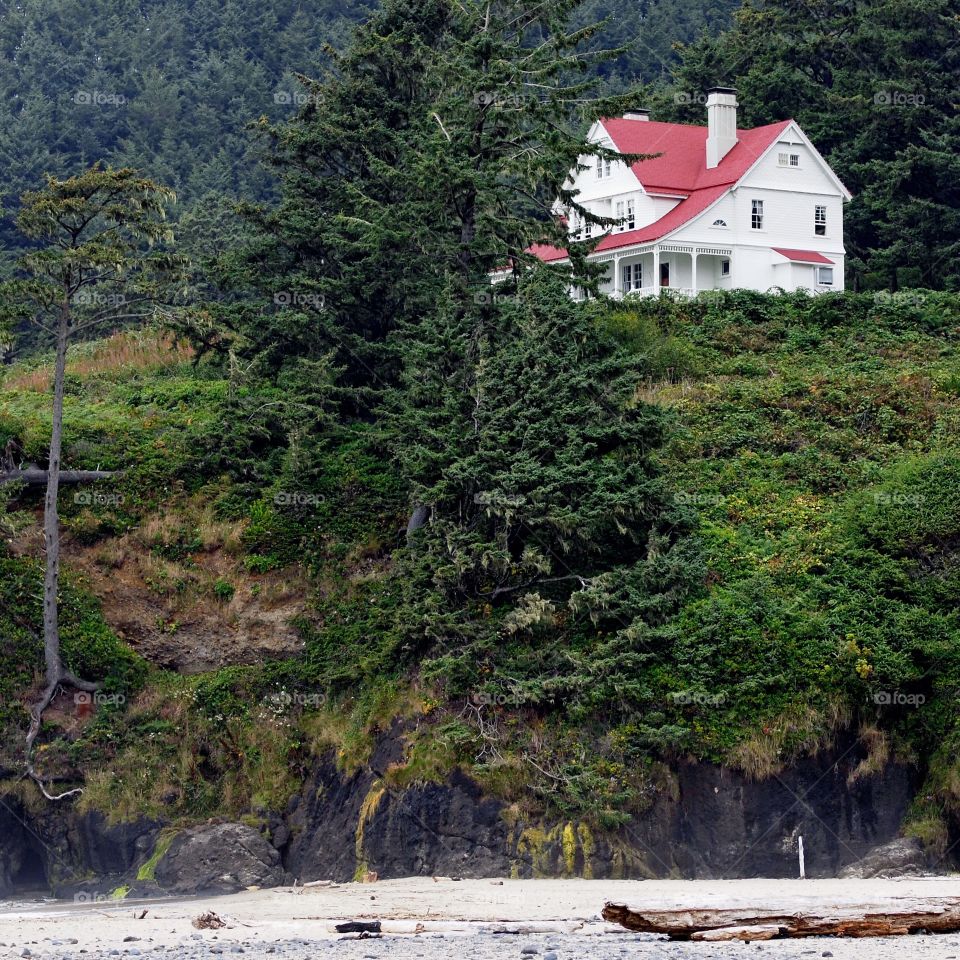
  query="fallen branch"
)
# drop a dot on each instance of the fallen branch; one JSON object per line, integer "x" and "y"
{"x": 35, "y": 477}
{"x": 796, "y": 918}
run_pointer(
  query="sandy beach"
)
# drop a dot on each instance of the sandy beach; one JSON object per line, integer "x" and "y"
{"x": 443, "y": 918}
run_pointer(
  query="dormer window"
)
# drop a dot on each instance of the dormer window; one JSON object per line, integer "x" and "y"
{"x": 631, "y": 215}
{"x": 788, "y": 159}
{"x": 719, "y": 223}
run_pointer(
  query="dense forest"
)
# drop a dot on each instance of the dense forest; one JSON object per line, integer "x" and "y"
{"x": 557, "y": 544}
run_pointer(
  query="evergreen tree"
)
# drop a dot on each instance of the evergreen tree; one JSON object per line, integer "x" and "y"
{"x": 435, "y": 147}
{"x": 874, "y": 86}
{"x": 517, "y": 424}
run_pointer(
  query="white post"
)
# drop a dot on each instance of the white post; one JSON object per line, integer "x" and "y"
{"x": 693, "y": 272}
{"x": 616, "y": 277}
{"x": 656, "y": 270}
{"x": 803, "y": 872}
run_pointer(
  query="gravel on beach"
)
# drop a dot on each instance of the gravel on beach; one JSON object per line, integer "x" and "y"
{"x": 486, "y": 946}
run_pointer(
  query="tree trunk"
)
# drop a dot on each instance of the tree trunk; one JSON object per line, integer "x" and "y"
{"x": 51, "y": 516}
{"x": 55, "y": 673}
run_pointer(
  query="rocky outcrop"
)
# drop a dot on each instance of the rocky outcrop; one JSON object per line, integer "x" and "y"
{"x": 218, "y": 858}
{"x": 705, "y": 821}
{"x": 903, "y": 857}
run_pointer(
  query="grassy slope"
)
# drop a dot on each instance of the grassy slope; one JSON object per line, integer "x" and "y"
{"x": 817, "y": 443}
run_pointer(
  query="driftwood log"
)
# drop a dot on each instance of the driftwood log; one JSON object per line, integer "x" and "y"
{"x": 801, "y": 917}
{"x": 37, "y": 477}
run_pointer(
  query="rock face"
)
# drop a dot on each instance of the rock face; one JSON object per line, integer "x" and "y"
{"x": 220, "y": 858}
{"x": 706, "y": 821}
{"x": 903, "y": 857}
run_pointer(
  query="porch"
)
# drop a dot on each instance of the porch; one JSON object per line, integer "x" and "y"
{"x": 684, "y": 270}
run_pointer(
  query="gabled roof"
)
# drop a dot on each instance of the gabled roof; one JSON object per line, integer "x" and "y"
{"x": 681, "y": 170}
{"x": 801, "y": 256}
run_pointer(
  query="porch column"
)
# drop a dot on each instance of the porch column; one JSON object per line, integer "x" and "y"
{"x": 616, "y": 277}
{"x": 656, "y": 270}
{"x": 693, "y": 271}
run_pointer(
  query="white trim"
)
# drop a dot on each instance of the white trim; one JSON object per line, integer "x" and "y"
{"x": 805, "y": 140}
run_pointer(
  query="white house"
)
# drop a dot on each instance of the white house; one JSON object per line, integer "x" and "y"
{"x": 717, "y": 208}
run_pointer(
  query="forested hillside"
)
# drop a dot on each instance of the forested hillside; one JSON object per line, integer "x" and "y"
{"x": 359, "y": 511}
{"x": 810, "y": 469}
{"x": 168, "y": 86}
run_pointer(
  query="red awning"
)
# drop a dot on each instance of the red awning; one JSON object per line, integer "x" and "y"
{"x": 802, "y": 256}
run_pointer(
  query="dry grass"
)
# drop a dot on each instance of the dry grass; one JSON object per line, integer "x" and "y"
{"x": 667, "y": 392}
{"x": 801, "y": 729}
{"x": 878, "y": 753}
{"x": 120, "y": 352}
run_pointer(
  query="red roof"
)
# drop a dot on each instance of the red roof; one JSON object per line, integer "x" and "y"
{"x": 802, "y": 256}
{"x": 681, "y": 170}
{"x": 682, "y": 167}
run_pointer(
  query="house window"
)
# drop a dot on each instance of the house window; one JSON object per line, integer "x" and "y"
{"x": 719, "y": 223}
{"x": 825, "y": 276}
{"x": 619, "y": 209}
{"x": 820, "y": 221}
{"x": 788, "y": 159}
{"x": 631, "y": 215}
{"x": 606, "y": 167}
{"x": 587, "y": 229}
{"x": 665, "y": 274}
{"x": 576, "y": 223}
{"x": 724, "y": 268}
{"x": 603, "y": 167}
{"x": 756, "y": 214}
{"x": 599, "y": 168}
{"x": 632, "y": 275}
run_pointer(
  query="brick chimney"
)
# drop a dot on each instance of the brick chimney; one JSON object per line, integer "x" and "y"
{"x": 721, "y": 123}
